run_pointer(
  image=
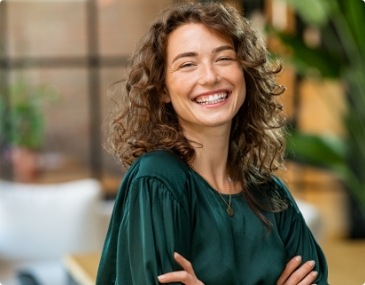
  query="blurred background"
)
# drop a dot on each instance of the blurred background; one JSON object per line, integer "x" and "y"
{"x": 58, "y": 59}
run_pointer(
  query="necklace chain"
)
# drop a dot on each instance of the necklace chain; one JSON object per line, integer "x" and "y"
{"x": 229, "y": 209}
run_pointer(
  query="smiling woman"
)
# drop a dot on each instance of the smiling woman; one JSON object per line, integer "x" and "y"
{"x": 200, "y": 131}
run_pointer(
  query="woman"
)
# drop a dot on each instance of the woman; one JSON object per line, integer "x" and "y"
{"x": 201, "y": 132}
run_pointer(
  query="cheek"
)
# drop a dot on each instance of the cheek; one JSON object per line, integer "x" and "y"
{"x": 176, "y": 89}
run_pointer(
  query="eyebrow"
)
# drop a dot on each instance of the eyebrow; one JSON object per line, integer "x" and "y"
{"x": 190, "y": 54}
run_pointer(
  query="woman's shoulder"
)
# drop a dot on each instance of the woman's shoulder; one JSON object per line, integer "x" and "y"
{"x": 282, "y": 191}
{"x": 279, "y": 185}
{"x": 281, "y": 188}
{"x": 162, "y": 165}
{"x": 161, "y": 162}
{"x": 273, "y": 194}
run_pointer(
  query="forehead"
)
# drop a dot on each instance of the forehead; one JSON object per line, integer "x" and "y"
{"x": 194, "y": 35}
{"x": 196, "y": 27}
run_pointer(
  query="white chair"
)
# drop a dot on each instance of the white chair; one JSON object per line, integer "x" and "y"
{"x": 40, "y": 224}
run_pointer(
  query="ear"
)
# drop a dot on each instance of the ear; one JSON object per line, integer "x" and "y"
{"x": 165, "y": 97}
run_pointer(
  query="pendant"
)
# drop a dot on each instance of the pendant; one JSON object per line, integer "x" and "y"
{"x": 230, "y": 211}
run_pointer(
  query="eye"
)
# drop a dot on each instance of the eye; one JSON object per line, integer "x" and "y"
{"x": 186, "y": 65}
{"x": 225, "y": 58}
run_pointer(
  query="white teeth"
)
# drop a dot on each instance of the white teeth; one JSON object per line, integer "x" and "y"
{"x": 212, "y": 99}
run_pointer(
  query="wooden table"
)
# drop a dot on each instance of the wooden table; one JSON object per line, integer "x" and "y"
{"x": 82, "y": 267}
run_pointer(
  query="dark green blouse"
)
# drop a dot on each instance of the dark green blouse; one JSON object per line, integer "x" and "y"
{"x": 164, "y": 206}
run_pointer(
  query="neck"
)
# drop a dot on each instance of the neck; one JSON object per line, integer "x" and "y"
{"x": 211, "y": 158}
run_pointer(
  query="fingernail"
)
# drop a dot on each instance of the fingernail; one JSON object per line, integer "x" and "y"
{"x": 312, "y": 263}
{"x": 161, "y": 277}
{"x": 298, "y": 258}
{"x": 314, "y": 273}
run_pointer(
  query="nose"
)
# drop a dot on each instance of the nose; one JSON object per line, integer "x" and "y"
{"x": 208, "y": 74}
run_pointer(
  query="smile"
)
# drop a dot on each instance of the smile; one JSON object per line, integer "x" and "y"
{"x": 211, "y": 99}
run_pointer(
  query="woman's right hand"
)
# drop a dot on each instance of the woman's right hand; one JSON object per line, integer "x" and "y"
{"x": 292, "y": 275}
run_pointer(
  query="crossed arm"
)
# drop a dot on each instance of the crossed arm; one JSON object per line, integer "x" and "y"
{"x": 293, "y": 274}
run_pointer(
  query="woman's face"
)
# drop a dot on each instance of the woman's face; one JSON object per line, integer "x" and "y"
{"x": 204, "y": 80}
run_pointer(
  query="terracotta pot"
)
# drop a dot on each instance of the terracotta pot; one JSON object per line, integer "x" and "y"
{"x": 25, "y": 164}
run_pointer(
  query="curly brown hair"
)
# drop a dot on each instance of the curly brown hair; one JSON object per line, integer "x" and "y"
{"x": 143, "y": 122}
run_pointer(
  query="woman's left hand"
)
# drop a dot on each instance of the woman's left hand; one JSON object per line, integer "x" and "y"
{"x": 185, "y": 276}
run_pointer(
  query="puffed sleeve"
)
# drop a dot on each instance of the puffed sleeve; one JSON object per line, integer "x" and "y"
{"x": 297, "y": 237}
{"x": 154, "y": 225}
{"x": 150, "y": 222}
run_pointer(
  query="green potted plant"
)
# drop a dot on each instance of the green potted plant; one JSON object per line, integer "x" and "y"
{"x": 22, "y": 126}
{"x": 341, "y": 56}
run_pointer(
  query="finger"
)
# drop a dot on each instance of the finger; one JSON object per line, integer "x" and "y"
{"x": 301, "y": 273}
{"x": 309, "y": 279}
{"x": 289, "y": 269}
{"x": 179, "y": 276}
{"x": 184, "y": 263}
{"x": 176, "y": 276}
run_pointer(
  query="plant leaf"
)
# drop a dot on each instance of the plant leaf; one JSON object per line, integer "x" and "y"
{"x": 314, "y": 12}
{"x": 315, "y": 150}
{"x": 305, "y": 58}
